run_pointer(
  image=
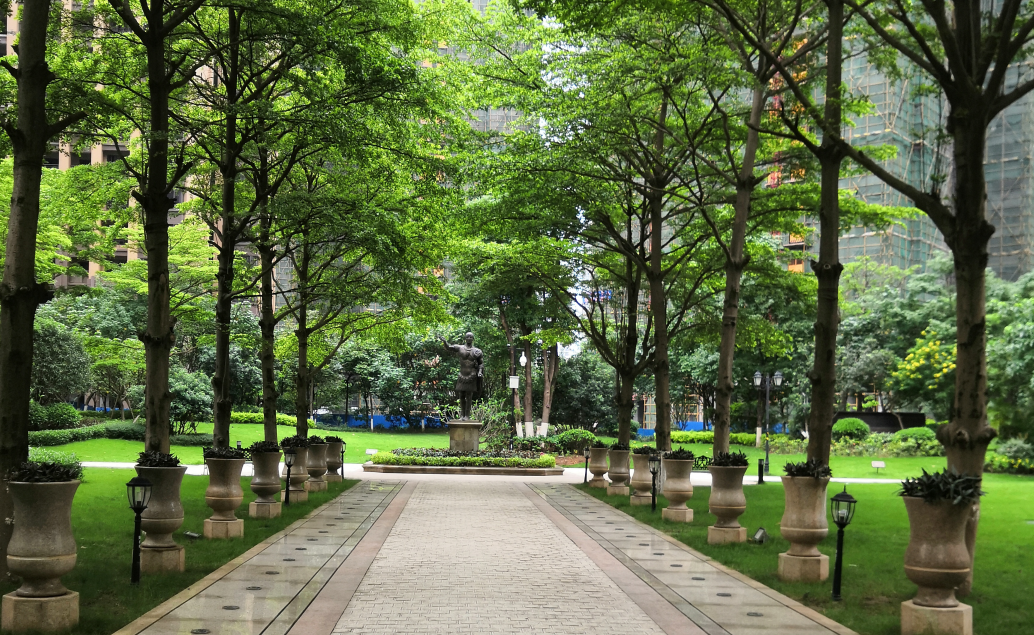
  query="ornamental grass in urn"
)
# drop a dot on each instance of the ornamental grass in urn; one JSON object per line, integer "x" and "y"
{"x": 642, "y": 480}
{"x": 618, "y": 471}
{"x": 334, "y": 461}
{"x": 265, "y": 457}
{"x": 164, "y": 513}
{"x": 299, "y": 475}
{"x": 42, "y": 547}
{"x": 804, "y": 521}
{"x": 678, "y": 488}
{"x": 598, "y": 463}
{"x": 316, "y": 463}
{"x": 224, "y": 494}
{"x": 937, "y": 560}
{"x": 727, "y": 501}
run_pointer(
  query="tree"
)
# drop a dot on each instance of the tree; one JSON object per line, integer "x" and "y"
{"x": 148, "y": 40}
{"x": 118, "y": 366}
{"x": 60, "y": 364}
{"x": 41, "y": 113}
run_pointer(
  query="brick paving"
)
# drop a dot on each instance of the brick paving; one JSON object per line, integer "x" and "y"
{"x": 479, "y": 557}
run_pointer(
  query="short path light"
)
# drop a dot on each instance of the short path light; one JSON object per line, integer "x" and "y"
{"x": 585, "y": 477}
{"x": 843, "y": 512}
{"x": 342, "y": 468}
{"x": 655, "y": 467}
{"x": 288, "y": 461}
{"x": 138, "y": 490}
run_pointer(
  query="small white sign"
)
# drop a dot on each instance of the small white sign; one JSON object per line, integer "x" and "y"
{"x": 371, "y": 452}
{"x": 515, "y": 381}
{"x": 878, "y": 465}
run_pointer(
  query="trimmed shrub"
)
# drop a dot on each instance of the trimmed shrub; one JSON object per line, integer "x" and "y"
{"x": 258, "y": 418}
{"x": 925, "y": 434}
{"x": 41, "y": 438}
{"x": 572, "y": 441}
{"x": 850, "y": 428}
{"x": 37, "y": 417}
{"x": 1016, "y": 449}
{"x": 129, "y": 431}
{"x": 389, "y": 458}
{"x": 707, "y": 436}
{"x": 192, "y": 440}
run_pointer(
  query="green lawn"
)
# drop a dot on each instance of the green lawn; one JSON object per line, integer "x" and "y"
{"x": 117, "y": 450}
{"x": 874, "y": 583}
{"x": 103, "y": 526}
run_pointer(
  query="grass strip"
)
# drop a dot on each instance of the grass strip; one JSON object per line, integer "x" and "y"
{"x": 874, "y": 582}
{"x": 103, "y": 526}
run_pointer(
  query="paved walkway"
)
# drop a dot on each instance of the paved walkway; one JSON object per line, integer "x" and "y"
{"x": 476, "y": 555}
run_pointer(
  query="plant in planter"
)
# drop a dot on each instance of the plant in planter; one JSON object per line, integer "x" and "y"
{"x": 937, "y": 560}
{"x": 334, "y": 462}
{"x": 317, "y": 464}
{"x": 678, "y": 488}
{"x": 598, "y": 463}
{"x": 727, "y": 501}
{"x": 224, "y": 493}
{"x": 42, "y": 547}
{"x": 642, "y": 480}
{"x": 619, "y": 472}
{"x": 300, "y": 446}
{"x": 804, "y": 522}
{"x": 265, "y": 457}
{"x": 159, "y": 553}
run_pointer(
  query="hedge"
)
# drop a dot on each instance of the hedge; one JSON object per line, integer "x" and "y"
{"x": 707, "y": 436}
{"x": 387, "y": 458}
{"x": 259, "y": 418}
{"x": 850, "y": 428}
{"x": 113, "y": 430}
{"x": 42, "y": 438}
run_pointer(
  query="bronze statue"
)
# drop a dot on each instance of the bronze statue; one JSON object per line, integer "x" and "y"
{"x": 472, "y": 372}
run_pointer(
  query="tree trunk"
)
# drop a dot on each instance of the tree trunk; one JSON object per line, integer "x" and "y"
{"x": 267, "y": 323}
{"x": 20, "y": 294}
{"x": 828, "y": 268}
{"x": 625, "y": 404}
{"x": 967, "y": 435}
{"x": 659, "y": 307}
{"x": 301, "y": 397}
{"x": 222, "y": 401}
{"x": 734, "y": 265}
{"x": 549, "y": 370}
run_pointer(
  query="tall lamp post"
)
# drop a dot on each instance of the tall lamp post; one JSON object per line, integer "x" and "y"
{"x": 842, "y": 510}
{"x": 288, "y": 461}
{"x": 765, "y": 382}
{"x": 655, "y": 468}
{"x": 585, "y": 477}
{"x": 138, "y": 490}
{"x": 524, "y": 362}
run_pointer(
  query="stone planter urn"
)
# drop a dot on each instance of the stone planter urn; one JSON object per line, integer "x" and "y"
{"x": 619, "y": 473}
{"x": 728, "y": 503}
{"x": 317, "y": 466}
{"x": 265, "y": 484}
{"x": 677, "y": 489}
{"x": 223, "y": 496}
{"x": 642, "y": 480}
{"x": 299, "y": 475}
{"x": 936, "y": 559}
{"x": 598, "y": 466}
{"x": 41, "y": 550}
{"x": 805, "y": 525}
{"x": 159, "y": 553}
{"x": 333, "y": 462}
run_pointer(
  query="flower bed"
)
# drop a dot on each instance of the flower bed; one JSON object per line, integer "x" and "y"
{"x": 449, "y": 458}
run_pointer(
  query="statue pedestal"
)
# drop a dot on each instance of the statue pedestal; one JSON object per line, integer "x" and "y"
{"x": 464, "y": 435}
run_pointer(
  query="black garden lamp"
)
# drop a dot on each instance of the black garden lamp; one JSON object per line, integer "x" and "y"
{"x": 655, "y": 468}
{"x": 288, "y": 461}
{"x": 138, "y": 491}
{"x": 585, "y": 453}
{"x": 842, "y": 510}
{"x": 344, "y": 444}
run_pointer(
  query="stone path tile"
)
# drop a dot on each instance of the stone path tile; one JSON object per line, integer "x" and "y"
{"x": 268, "y": 592}
{"x": 477, "y": 556}
{"x": 719, "y": 601}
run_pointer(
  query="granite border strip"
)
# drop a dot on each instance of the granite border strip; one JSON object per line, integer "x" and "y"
{"x": 786, "y": 601}
{"x": 657, "y": 607}
{"x": 149, "y": 618}
{"x": 453, "y": 469}
{"x": 326, "y": 609}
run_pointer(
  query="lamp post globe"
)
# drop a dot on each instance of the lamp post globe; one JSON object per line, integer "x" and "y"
{"x": 757, "y": 379}
{"x": 842, "y": 509}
